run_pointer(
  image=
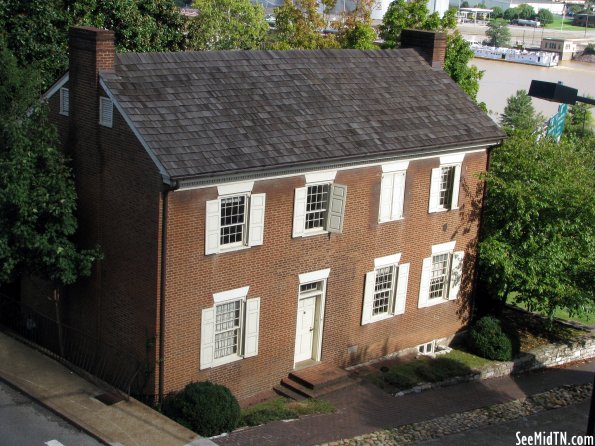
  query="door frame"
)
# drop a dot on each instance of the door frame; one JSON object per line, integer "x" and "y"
{"x": 320, "y": 304}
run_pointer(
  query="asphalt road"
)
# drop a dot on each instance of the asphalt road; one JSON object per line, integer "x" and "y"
{"x": 528, "y": 35}
{"x": 24, "y": 422}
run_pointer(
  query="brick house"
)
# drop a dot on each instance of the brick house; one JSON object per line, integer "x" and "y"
{"x": 262, "y": 211}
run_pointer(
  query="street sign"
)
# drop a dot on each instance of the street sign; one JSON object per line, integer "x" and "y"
{"x": 556, "y": 122}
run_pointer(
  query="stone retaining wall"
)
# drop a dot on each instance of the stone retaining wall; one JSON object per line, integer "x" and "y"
{"x": 549, "y": 355}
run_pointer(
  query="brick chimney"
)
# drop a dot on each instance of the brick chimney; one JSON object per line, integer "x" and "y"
{"x": 91, "y": 50}
{"x": 430, "y": 45}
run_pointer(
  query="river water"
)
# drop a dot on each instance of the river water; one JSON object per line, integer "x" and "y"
{"x": 502, "y": 80}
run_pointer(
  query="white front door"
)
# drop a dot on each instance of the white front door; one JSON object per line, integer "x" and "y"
{"x": 306, "y": 328}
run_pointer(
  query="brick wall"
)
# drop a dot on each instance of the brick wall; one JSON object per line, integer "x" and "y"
{"x": 119, "y": 205}
{"x": 272, "y": 271}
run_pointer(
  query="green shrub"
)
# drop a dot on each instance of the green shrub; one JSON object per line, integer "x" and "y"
{"x": 488, "y": 339}
{"x": 206, "y": 408}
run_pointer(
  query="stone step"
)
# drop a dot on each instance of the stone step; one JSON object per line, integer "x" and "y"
{"x": 307, "y": 392}
{"x": 288, "y": 393}
{"x": 319, "y": 376}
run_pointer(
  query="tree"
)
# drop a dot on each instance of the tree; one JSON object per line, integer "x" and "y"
{"x": 497, "y": 12}
{"x": 401, "y": 15}
{"x": 299, "y": 25}
{"x": 415, "y": 14}
{"x": 525, "y": 11}
{"x": 465, "y": 4}
{"x": 579, "y": 120}
{"x": 498, "y": 33}
{"x": 545, "y": 16}
{"x": 37, "y": 194}
{"x": 456, "y": 65}
{"x": 227, "y": 25}
{"x": 38, "y": 29}
{"x": 519, "y": 113}
{"x": 356, "y": 30}
{"x": 538, "y": 234}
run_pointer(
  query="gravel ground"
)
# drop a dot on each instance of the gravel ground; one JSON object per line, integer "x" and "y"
{"x": 460, "y": 422}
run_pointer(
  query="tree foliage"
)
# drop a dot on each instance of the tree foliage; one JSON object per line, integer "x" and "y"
{"x": 579, "y": 120}
{"x": 523, "y": 11}
{"x": 497, "y": 12}
{"x": 545, "y": 16}
{"x": 401, "y": 15}
{"x": 227, "y": 25}
{"x": 37, "y": 193}
{"x": 415, "y": 14}
{"x": 538, "y": 236}
{"x": 37, "y": 30}
{"x": 298, "y": 26}
{"x": 355, "y": 29}
{"x": 498, "y": 33}
{"x": 456, "y": 65}
{"x": 519, "y": 113}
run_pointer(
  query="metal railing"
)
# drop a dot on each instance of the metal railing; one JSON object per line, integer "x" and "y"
{"x": 106, "y": 362}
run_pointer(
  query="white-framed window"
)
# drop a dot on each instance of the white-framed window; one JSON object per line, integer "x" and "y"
{"x": 392, "y": 192}
{"x": 106, "y": 112}
{"x": 385, "y": 291}
{"x": 444, "y": 184}
{"x": 235, "y": 220}
{"x": 64, "y": 101}
{"x": 229, "y": 329}
{"x": 441, "y": 275}
{"x": 319, "y": 207}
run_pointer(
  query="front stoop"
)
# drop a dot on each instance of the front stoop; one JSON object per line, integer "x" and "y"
{"x": 313, "y": 382}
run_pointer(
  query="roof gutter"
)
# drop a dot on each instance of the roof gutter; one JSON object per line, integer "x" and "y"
{"x": 163, "y": 288}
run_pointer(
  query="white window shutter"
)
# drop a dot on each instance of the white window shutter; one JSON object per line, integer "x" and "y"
{"x": 386, "y": 197}
{"x": 256, "y": 230}
{"x": 401, "y": 292}
{"x": 251, "y": 330}
{"x": 398, "y": 196}
{"x": 213, "y": 219}
{"x": 456, "y": 274}
{"x": 368, "y": 297}
{"x": 299, "y": 211}
{"x": 455, "y": 187}
{"x": 434, "y": 189}
{"x": 424, "y": 285}
{"x": 336, "y": 208}
{"x": 207, "y": 338}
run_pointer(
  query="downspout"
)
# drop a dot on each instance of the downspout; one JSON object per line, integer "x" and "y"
{"x": 162, "y": 288}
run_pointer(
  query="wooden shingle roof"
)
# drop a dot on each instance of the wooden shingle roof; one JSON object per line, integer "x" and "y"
{"x": 212, "y": 113}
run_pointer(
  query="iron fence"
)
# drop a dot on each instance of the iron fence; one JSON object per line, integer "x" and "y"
{"x": 111, "y": 364}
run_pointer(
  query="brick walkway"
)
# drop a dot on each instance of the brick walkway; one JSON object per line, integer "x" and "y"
{"x": 364, "y": 408}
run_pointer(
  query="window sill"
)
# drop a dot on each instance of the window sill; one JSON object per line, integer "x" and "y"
{"x": 226, "y": 360}
{"x": 382, "y": 317}
{"x": 308, "y": 232}
{"x": 388, "y": 221}
{"x": 230, "y": 249}
{"x": 435, "y": 301}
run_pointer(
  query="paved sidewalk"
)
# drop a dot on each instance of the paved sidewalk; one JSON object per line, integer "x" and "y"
{"x": 364, "y": 408}
{"x": 126, "y": 423}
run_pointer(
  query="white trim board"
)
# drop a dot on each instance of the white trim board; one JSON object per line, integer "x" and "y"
{"x": 188, "y": 184}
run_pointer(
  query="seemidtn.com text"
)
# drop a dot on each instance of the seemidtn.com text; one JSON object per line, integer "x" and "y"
{"x": 553, "y": 438}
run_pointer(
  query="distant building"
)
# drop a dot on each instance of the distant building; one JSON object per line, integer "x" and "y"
{"x": 553, "y": 7}
{"x": 566, "y": 48}
{"x": 586, "y": 20}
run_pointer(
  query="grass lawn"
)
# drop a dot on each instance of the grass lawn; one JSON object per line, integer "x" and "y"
{"x": 282, "y": 409}
{"x": 586, "y": 319}
{"x": 567, "y": 24}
